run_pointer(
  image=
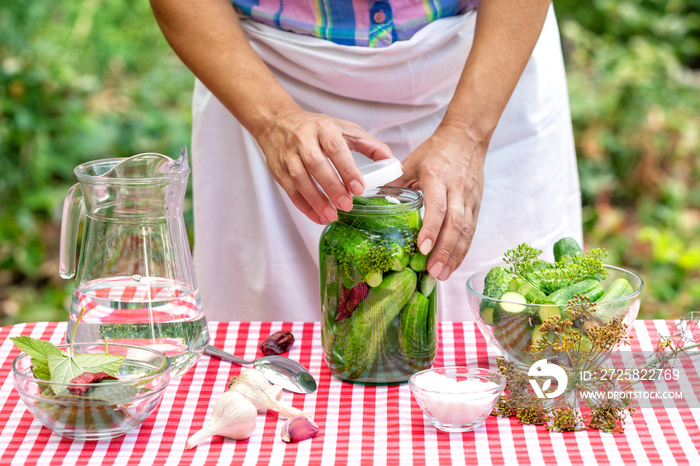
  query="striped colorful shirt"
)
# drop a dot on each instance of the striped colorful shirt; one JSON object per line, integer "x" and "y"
{"x": 363, "y": 23}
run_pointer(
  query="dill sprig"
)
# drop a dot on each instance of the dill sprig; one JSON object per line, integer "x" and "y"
{"x": 609, "y": 414}
{"x": 681, "y": 343}
{"x": 524, "y": 262}
{"x": 578, "y": 342}
{"x": 565, "y": 418}
{"x": 518, "y": 399}
{"x": 577, "y": 268}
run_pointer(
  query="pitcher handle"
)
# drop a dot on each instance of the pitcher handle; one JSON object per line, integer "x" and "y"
{"x": 72, "y": 206}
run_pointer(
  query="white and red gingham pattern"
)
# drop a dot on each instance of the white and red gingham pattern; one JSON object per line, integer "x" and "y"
{"x": 359, "y": 424}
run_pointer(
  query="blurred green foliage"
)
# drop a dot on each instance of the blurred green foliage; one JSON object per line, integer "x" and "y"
{"x": 634, "y": 86}
{"x": 78, "y": 81}
{"x": 90, "y": 79}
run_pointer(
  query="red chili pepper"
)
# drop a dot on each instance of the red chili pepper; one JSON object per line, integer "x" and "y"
{"x": 88, "y": 377}
{"x": 349, "y": 299}
{"x": 277, "y": 343}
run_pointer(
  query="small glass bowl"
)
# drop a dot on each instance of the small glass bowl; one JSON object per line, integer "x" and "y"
{"x": 107, "y": 409}
{"x": 452, "y": 406}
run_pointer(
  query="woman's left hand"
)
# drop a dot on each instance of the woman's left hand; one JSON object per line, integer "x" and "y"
{"x": 449, "y": 169}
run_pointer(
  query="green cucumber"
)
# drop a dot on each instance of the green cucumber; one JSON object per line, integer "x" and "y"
{"x": 399, "y": 257}
{"x": 515, "y": 283}
{"x": 590, "y": 288}
{"x": 360, "y": 338}
{"x": 487, "y": 315}
{"x": 607, "y": 310}
{"x": 432, "y": 318}
{"x": 548, "y": 310}
{"x": 418, "y": 262}
{"x": 617, "y": 289}
{"x": 374, "y": 278}
{"x": 512, "y": 302}
{"x": 533, "y": 294}
{"x": 416, "y": 339}
{"x": 566, "y": 247}
{"x": 427, "y": 284}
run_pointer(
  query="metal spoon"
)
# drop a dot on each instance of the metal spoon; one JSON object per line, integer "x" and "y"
{"x": 279, "y": 370}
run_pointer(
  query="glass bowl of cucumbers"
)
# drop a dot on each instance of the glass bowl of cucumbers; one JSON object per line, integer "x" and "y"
{"x": 518, "y": 304}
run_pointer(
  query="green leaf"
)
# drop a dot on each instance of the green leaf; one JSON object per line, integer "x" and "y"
{"x": 65, "y": 369}
{"x": 38, "y": 350}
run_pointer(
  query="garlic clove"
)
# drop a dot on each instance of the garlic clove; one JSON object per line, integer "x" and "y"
{"x": 234, "y": 416}
{"x": 297, "y": 428}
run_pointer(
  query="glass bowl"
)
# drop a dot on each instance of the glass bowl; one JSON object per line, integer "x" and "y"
{"x": 513, "y": 336}
{"x": 457, "y": 399}
{"x": 106, "y": 409}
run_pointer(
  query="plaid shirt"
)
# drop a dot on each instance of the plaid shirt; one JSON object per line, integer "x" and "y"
{"x": 364, "y": 23}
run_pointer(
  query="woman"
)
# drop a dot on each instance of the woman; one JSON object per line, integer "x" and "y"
{"x": 472, "y": 99}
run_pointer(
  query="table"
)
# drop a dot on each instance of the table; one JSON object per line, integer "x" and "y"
{"x": 359, "y": 424}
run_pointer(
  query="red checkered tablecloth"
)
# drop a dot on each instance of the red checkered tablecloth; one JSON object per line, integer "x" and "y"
{"x": 359, "y": 424}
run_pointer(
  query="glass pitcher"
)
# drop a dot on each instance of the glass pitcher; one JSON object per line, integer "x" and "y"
{"x": 135, "y": 282}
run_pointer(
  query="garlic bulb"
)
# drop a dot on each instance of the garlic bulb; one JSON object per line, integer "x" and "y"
{"x": 235, "y": 412}
{"x": 298, "y": 428}
{"x": 252, "y": 384}
{"x": 234, "y": 416}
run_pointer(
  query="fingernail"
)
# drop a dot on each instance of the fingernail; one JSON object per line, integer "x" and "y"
{"x": 436, "y": 269}
{"x": 426, "y": 246}
{"x": 344, "y": 203}
{"x": 330, "y": 214}
{"x": 445, "y": 274}
{"x": 356, "y": 188}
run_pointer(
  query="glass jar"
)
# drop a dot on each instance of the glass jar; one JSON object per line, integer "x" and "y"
{"x": 378, "y": 302}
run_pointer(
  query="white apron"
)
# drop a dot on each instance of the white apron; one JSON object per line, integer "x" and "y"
{"x": 256, "y": 255}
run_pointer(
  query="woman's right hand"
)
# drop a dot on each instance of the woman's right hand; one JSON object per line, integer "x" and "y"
{"x": 300, "y": 147}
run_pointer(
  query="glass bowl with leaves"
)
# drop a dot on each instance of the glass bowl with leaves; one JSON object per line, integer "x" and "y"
{"x": 527, "y": 299}
{"x": 89, "y": 391}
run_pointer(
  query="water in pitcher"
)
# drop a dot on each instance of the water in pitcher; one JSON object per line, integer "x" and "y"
{"x": 134, "y": 280}
{"x": 163, "y": 314}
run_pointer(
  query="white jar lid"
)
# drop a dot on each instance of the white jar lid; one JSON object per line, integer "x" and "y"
{"x": 381, "y": 172}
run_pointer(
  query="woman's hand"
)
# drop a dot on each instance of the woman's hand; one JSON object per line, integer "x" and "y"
{"x": 300, "y": 146}
{"x": 449, "y": 169}
{"x": 449, "y": 166}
